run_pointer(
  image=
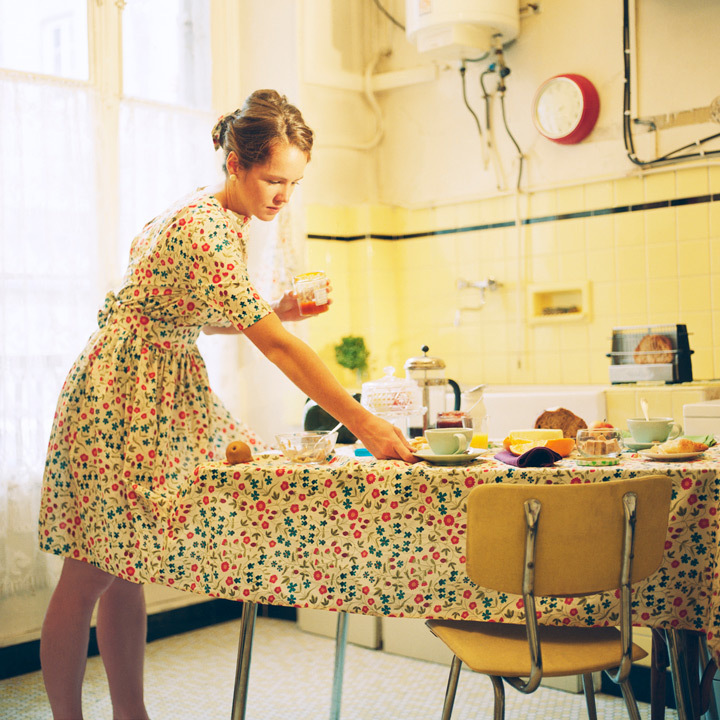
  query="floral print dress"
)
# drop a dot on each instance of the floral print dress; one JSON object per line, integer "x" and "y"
{"x": 136, "y": 413}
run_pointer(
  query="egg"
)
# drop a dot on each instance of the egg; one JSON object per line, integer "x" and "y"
{"x": 238, "y": 452}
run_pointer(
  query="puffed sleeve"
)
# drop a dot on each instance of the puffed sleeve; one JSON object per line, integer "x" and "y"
{"x": 214, "y": 263}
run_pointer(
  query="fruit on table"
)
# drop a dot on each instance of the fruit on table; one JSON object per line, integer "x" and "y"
{"x": 562, "y": 446}
{"x": 598, "y": 424}
{"x": 238, "y": 452}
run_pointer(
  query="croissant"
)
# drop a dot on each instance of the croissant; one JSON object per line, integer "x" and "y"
{"x": 680, "y": 445}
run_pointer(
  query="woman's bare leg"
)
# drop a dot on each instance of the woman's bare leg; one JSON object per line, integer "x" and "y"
{"x": 65, "y": 635}
{"x": 121, "y": 632}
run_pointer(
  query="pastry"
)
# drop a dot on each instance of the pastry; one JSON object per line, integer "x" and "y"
{"x": 561, "y": 419}
{"x": 418, "y": 443}
{"x": 654, "y": 349}
{"x": 238, "y": 452}
{"x": 679, "y": 445}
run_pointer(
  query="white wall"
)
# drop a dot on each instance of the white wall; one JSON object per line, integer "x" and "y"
{"x": 431, "y": 151}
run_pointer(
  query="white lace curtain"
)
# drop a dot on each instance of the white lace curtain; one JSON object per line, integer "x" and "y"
{"x": 48, "y": 285}
{"x": 59, "y": 255}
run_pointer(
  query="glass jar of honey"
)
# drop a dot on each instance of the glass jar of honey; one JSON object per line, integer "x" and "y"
{"x": 311, "y": 291}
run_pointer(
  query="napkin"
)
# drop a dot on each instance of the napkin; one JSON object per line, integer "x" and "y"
{"x": 535, "y": 457}
{"x": 709, "y": 440}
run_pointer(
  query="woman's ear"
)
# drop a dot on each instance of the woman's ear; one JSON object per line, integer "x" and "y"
{"x": 232, "y": 163}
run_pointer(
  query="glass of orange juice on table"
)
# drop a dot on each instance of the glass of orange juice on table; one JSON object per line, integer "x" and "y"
{"x": 311, "y": 291}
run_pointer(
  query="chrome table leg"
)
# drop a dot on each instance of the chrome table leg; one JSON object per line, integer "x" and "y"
{"x": 242, "y": 670}
{"x": 681, "y": 680}
{"x": 340, "y": 644}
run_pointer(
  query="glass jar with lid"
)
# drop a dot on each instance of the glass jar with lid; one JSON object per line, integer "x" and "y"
{"x": 392, "y": 397}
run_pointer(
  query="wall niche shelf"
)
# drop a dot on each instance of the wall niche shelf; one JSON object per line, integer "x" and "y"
{"x": 557, "y": 303}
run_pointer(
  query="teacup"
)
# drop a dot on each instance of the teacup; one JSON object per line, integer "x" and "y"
{"x": 449, "y": 441}
{"x": 653, "y": 430}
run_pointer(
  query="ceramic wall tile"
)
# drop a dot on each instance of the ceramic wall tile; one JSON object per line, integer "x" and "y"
{"x": 598, "y": 195}
{"x": 659, "y": 186}
{"x": 692, "y": 182}
{"x": 693, "y": 222}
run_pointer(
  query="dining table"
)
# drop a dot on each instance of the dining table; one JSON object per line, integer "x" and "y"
{"x": 387, "y": 538}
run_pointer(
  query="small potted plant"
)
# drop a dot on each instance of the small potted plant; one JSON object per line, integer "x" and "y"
{"x": 352, "y": 353}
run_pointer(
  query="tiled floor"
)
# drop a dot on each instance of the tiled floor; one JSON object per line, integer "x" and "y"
{"x": 190, "y": 677}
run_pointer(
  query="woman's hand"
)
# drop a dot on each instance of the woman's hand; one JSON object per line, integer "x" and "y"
{"x": 288, "y": 309}
{"x": 384, "y": 440}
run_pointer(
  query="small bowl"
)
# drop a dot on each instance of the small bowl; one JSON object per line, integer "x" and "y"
{"x": 307, "y": 447}
{"x": 599, "y": 442}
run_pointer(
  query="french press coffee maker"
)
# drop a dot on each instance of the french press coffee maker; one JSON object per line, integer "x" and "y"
{"x": 429, "y": 373}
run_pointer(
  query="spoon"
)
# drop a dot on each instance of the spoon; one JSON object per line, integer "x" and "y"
{"x": 644, "y": 406}
{"x": 317, "y": 442}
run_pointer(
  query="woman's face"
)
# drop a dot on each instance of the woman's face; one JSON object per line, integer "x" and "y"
{"x": 262, "y": 190}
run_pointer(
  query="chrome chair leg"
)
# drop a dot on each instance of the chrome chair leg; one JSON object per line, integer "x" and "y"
{"x": 451, "y": 688}
{"x": 680, "y": 679}
{"x": 242, "y": 670}
{"x": 499, "y": 693}
{"x": 589, "y": 688}
{"x": 629, "y": 698}
{"x": 340, "y": 645}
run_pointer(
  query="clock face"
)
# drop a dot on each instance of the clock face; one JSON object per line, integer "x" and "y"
{"x": 559, "y": 108}
{"x": 566, "y": 108}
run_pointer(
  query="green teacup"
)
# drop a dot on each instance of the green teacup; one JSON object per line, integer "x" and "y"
{"x": 653, "y": 430}
{"x": 449, "y": 441}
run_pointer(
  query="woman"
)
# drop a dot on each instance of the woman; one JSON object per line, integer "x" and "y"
{"x": 136, "y": 413}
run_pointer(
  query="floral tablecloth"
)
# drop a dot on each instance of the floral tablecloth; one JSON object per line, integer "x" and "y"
{"x": 387, "y": 538}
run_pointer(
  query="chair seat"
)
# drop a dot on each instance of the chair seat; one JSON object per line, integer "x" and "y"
{"x": 502, "y": 648}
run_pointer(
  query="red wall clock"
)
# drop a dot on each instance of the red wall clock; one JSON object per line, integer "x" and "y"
{"x": 565, "y": 108}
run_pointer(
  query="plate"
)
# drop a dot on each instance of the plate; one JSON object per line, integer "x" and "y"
{"x": 670, "y": 457}
{"x": 456, "y": 459}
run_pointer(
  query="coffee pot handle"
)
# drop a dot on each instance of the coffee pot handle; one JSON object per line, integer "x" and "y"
{"x": 456, "y": 391}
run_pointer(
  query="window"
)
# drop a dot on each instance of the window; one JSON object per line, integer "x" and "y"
{"x": 47, "y": 37}
{"x": 85, "y": 163}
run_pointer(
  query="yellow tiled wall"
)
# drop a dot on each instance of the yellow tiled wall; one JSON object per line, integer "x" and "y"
{"x": 659, "y": 265}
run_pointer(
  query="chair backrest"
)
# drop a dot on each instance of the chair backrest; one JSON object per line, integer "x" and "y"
{"x": 579, "y": 535}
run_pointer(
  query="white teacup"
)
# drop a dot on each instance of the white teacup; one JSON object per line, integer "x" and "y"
{"x": 449, "y": 441}
{"x": 653, "y": 430}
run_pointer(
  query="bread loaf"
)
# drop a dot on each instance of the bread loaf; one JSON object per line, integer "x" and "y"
{"x": 653, "y": 349}
{"x": 562, "y": 419}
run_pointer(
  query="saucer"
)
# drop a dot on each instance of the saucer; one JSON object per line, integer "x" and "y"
{"x": 635, "y": 446}
{"x": 455, "y": 459}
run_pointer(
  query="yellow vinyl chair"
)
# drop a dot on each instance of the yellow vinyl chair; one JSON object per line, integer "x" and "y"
{"x": 557, "y": 541}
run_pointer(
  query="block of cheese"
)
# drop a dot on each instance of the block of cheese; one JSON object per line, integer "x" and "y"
{"x": 536, "y": 434}
{"x": 518, "y": 437}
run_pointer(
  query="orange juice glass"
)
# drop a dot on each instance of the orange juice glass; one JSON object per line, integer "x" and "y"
{"x": 311, "y": 291}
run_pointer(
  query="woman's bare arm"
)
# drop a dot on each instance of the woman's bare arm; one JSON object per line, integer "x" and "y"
{"x": 303, "y": 366}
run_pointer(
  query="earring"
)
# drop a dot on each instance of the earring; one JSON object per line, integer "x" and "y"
{"x": 233, "y": 178}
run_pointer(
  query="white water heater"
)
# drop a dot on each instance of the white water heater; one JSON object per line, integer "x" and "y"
{"x": 457, "y": 29}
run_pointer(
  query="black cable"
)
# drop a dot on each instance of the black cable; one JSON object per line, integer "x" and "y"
{"x": 389, "y": 16}
{"x": 671, "y": 156}
{"x": 467, "y": 104}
